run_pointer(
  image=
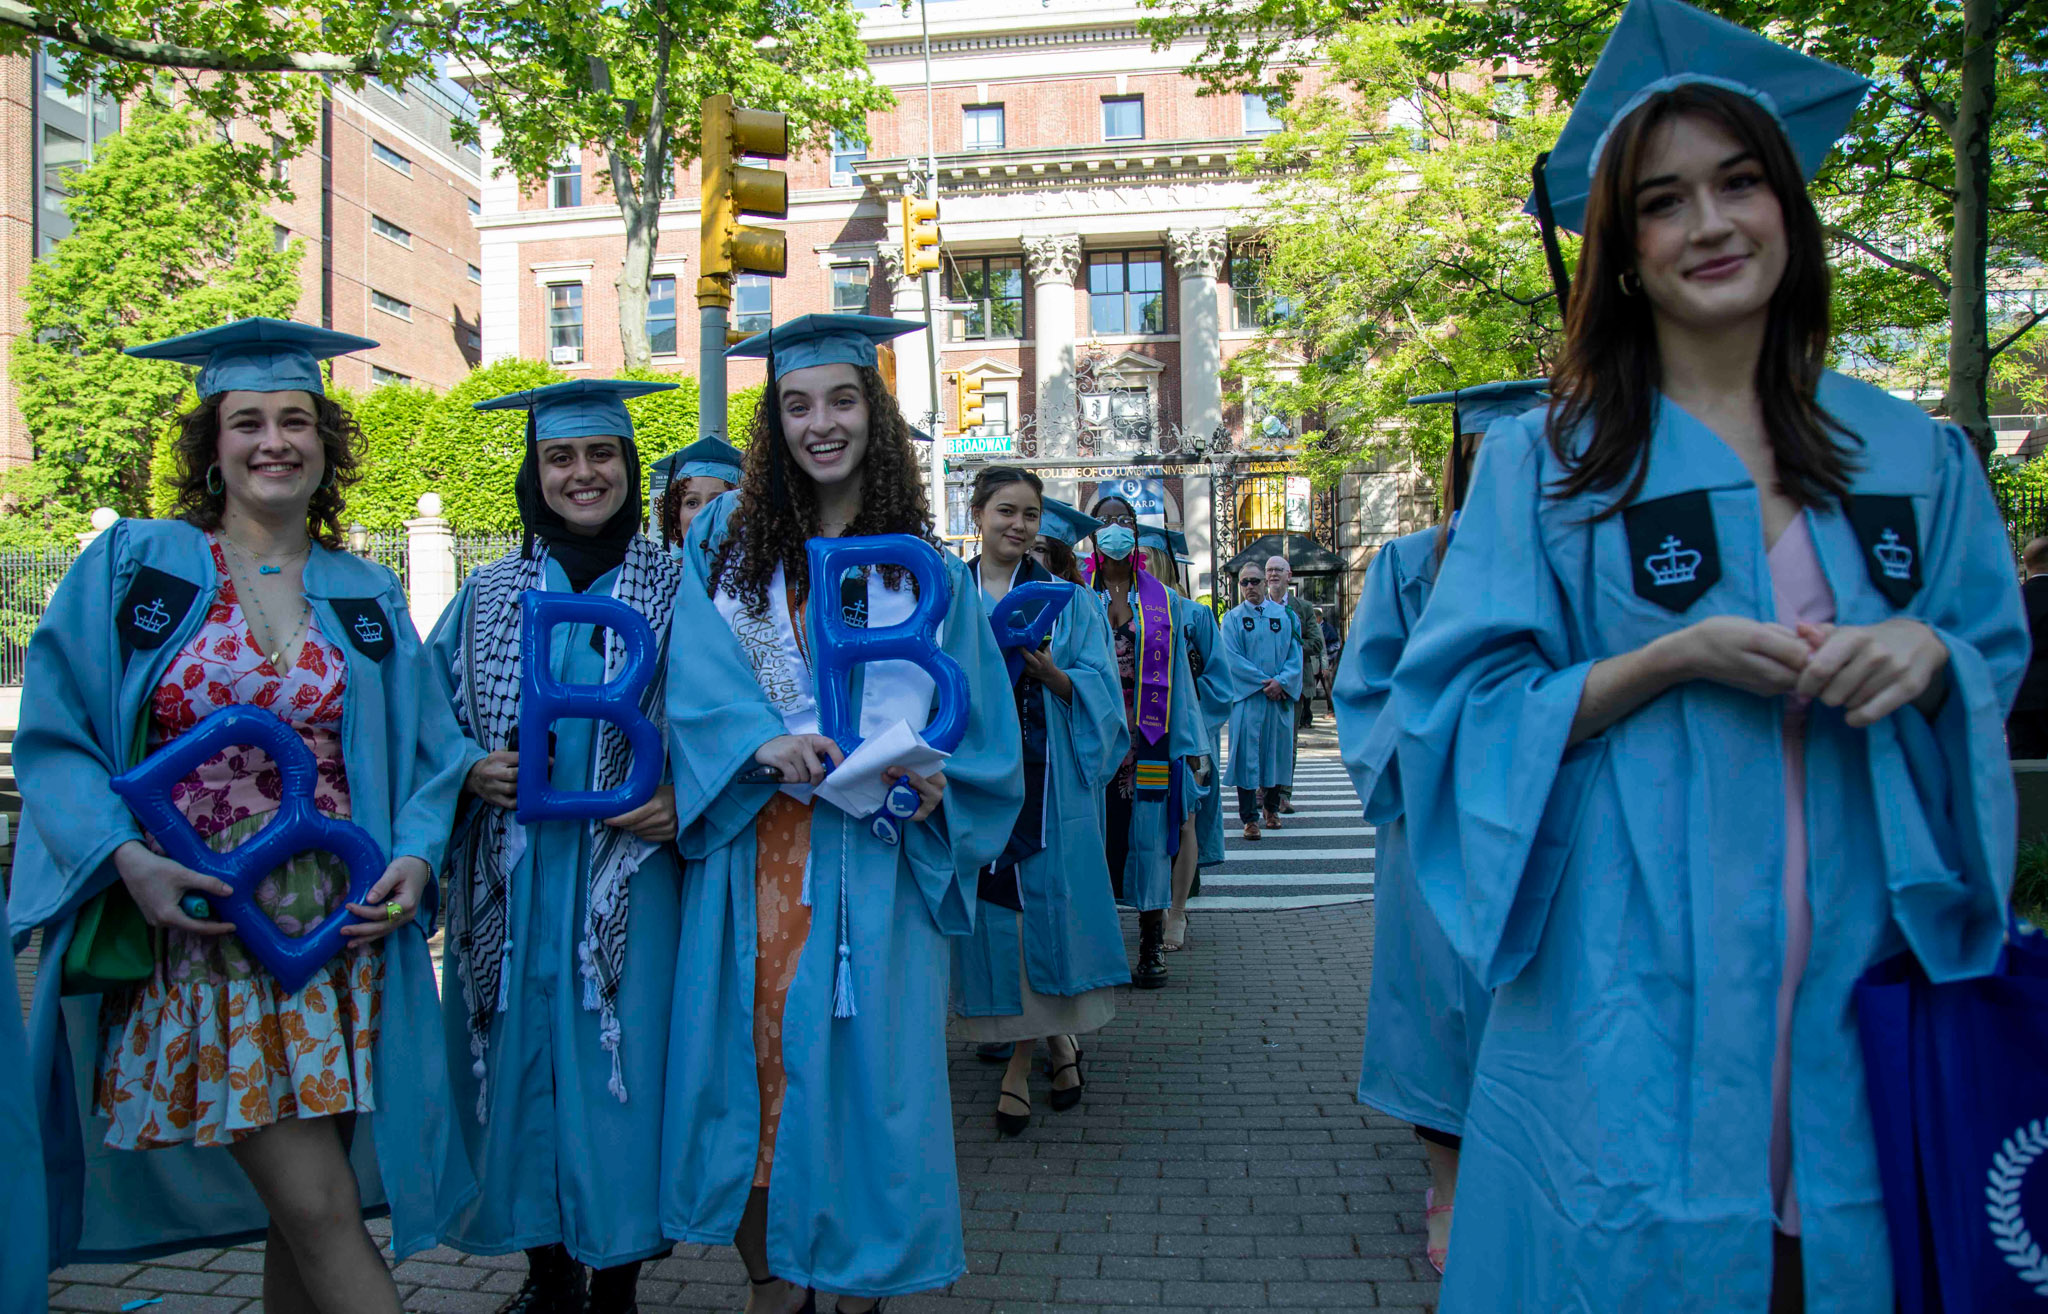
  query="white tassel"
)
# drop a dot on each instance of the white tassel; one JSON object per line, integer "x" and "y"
{"x": 505, "y": 977}
{"x": 608, "y": 1037}
{"x": 476, "y": 1048}
{"x": 591, "y": 1003}
{"x": 842, "y": 984}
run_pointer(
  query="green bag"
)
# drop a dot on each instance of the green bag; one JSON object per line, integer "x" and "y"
{"x": 111, "y": 947}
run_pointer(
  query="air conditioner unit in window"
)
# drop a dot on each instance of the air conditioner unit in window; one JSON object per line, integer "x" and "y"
{"x": 563, "y": 355}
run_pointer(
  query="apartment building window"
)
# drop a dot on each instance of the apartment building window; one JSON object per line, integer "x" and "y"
{"x": 850, "y": 289}
{"x": 661, "y": 315}
{"x": 994, "y": 288}
{"x": 390, "y": 305}
{"x": 847, "y": 151}
{"x": 982, "y": 128}
{"x": 1123, "y": 118}
{"x": 280, "y": 160}
{"x": 475, "y": 206}
{"x": 73, "y": 125}
{"x": 1126, "y": 291}
{"x": 565, "y": 323}
{"x": 389, "y": 231}
{"x": 753, "y": 303}
{"x": 380, "y": 377}
{"x": 1254, "y": 305}
{"x": 565, "y": 184}
{"x": 1261, "y": 114}
{"x": 1405, "y": 118}
{"x": 475, "y": 275}
{"x": 388, "y": 156}
{"x": 280, "y": 237}
{"x": 396, "y": 93}
{"x": 1510, "y": 102}
{"x": 64, "y": 153}
{"x": 995, "y": 414}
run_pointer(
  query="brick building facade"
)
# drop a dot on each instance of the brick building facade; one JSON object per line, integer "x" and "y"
{"x": 385, "y": 201}
{"x": 1095, "y": 281}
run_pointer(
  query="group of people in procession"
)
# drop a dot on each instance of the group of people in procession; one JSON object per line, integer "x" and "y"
{"x": 1689, "y": 711}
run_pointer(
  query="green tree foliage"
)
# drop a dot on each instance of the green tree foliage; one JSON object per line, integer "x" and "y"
{"x": 739, "y": 413}
{"x": 663, "y": 422}
{"x": 1940, "y": 188}
{"x": 471, "y": 457}
{"x": 167, "y": 238}
{"x": 1389, "y": 256}
{"x": 392, "y": 476}
{"x": 627, "y": 79}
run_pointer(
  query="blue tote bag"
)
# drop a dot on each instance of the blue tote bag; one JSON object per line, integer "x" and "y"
{"x": 1958, "y": 1077}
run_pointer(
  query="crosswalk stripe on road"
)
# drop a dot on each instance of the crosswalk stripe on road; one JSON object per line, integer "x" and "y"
{"x": 1321, "y": 855}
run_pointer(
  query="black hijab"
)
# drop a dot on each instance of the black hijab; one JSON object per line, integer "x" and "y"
{"x": 584, "y": 558}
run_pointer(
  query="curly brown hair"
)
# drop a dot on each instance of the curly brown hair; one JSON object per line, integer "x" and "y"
{"x": 197, "y": 448}
{"x": 778, "y": 508}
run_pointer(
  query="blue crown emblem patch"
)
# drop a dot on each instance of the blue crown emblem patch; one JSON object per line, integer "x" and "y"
{"x": 369, "y": 631}
{"x": 1676, "y": 564}
{"x": 151, "y": 618}
{"x": 1894, "y": 558}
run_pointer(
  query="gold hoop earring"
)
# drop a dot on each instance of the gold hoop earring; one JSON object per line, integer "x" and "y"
{"x": 214, "y": 483}
{"x": 1630, "y": 284}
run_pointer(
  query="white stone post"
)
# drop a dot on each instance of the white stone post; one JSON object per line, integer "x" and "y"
{"x": 1199, "y": 254}
{"x": 103, "y": 519}
{"x": 430, "y": 560}
{"x": 1052, "y": 263}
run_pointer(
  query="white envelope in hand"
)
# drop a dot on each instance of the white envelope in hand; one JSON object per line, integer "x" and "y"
{"x": 856, "y": 786}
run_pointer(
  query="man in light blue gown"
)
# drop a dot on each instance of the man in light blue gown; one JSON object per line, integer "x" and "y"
{"x": 1262, "y": 645}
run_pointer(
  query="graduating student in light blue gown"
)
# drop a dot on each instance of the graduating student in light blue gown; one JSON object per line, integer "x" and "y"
{"x": 1047, "y": 952}
{"x": 1427, "y": 1010}
{"x": 1156, "y": 787}
{"x": 809, "y": 1119}
{"x": 1704, "y": 719}
{"x": 263, "y": 467}
{"x": 696, "y": 474}
{"x": 1262, "y": 645}
{"x": 563, "y": 933}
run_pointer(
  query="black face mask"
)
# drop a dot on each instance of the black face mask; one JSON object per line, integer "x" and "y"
{"x": 584, "y": 558}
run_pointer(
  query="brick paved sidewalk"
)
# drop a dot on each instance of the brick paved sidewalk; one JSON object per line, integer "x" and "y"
{"x": 1218, "y": 1162}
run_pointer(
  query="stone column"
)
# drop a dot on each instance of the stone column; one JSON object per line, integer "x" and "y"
{"x": 913, "y": 361}
{"x": 430, "y": 561}
{"x": 1199, "y": 253}
{"x": 1052, "y": 263}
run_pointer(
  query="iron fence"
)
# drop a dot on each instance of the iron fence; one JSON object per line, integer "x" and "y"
{"x": 28, "y": 576}
{"x": 387, "y": 547}
{"x": 2026, "y": 516}
{"x": 473, "y": 550}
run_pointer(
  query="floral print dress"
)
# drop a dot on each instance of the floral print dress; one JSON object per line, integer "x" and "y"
{"x": 211, "y": 1048}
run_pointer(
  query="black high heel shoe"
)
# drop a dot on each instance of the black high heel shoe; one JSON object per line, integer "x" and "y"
{"x": 1062, "y": 1100}
{"x": 1011, "y": 1124}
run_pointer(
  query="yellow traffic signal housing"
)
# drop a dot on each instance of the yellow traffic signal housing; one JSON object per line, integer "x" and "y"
{"x": 967, "y": 400}
{"x": 920, "y": 235}
{"x": 732, "y": 189}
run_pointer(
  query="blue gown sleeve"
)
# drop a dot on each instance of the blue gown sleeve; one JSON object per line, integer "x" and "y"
{"x": 984, "y": 788}
{"x": 1244, "y": 672}
{"x": 68, "y": 712}
{"x": 1365, "y": 681}
{"x": 1290, "y": 666}
{"x": 1187, "y": 733}
{"x": 1950, "y": 861}
{"x": 442, "y": 754}
{"x": 1483, "y": 700}
{"x": 1095, "y": 713}
{"x": 1217, "y": 685}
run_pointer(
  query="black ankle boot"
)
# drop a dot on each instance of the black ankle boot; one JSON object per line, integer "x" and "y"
{"x": 1151, "y": 973}
{"x": 616, "y": 1290}
{"x": 554, "y": 1284}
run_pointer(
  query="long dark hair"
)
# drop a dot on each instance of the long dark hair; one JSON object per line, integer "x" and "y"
{"x": 197, "y": 448}
{"x": 1611, "y": 367}
{"x": 778, "y": 509}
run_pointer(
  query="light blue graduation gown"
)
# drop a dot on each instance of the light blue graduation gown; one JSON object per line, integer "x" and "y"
{"x": 1154, "y": 831}
{"x": 1624, "y": 896}
{"x": 1427, "y": 1011}
{"x": 864, "y": 1196}
{"x": 1072, "y": 941}
{"x": 24, "y": 1216}
{"x": 1217, "y": 688}
{"x": 1262, "y": 643}
{"x": 564, "y": 1160}
{"x": 84, "y": 705}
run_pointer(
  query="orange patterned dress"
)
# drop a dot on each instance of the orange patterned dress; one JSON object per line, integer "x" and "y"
{"x": 212, "y": 1048}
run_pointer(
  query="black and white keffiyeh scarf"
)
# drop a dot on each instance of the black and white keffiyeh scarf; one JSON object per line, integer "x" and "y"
{"x": 489, "y": 844}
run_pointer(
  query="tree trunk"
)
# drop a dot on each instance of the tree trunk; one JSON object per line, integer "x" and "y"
{"x": 1969, "y": 354}
{"x": 642, "y": 215}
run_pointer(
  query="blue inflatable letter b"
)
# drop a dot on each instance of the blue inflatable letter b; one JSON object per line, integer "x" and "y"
{"x": 545, "y": 700}
{"x": 836, "y": 647}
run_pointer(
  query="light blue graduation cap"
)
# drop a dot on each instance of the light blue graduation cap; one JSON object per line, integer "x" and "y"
{"x": 1662, "y": 44}
{"x": 255, "y": 355}
{"x": 1068, "y": 524}
{"x": 1474, "y": 409}
{"x": 709, "y": 458}
{"x": 811, "y": 340}
{"x": 581, "y": 408}
{"x": 1166, "y": 540}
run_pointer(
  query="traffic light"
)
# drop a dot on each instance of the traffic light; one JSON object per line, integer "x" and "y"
{"x": 967, "y": 400}
{"x": 732, "y": 189}
{"x": 920, "y": 235}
